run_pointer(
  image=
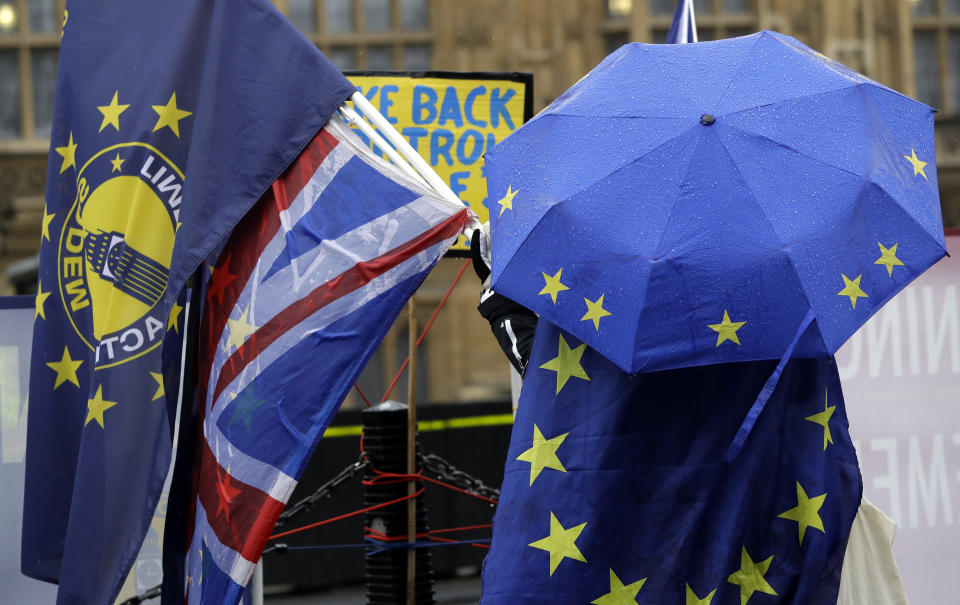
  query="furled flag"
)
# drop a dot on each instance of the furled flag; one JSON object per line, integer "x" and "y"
{"x": 683, "y": 29}
{"x": 300, "y": 297}
{"x": 618, "y": 487}
{"x": 171, "y": 119}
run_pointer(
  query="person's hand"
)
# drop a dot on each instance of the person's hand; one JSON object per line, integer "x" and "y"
{"x": 480, "y": 253}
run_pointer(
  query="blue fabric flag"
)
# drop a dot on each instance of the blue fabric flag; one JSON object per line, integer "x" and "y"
{"x": 683, "y": 29}
{"x": 616, "y": 489}
{"x": 171, "y": 118}
{"x": 317, "y": 271}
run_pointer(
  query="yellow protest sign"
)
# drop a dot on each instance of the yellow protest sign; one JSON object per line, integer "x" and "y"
{"x": 452, "y": 119}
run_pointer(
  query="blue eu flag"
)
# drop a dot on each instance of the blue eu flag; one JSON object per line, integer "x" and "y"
{"x": 617, "y": 490}
{"x": 171, "y": 119}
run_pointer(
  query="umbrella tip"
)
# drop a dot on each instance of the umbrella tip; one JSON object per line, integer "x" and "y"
{"x": 707, "y": 119}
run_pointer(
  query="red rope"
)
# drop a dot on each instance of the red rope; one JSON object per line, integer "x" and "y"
{"x": 474, "y": 544}
{"x": 356, "y": 385}
{"x": 426, "y": 328}
{"x": 345, "y": 516}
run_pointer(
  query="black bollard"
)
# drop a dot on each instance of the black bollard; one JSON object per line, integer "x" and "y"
{"x": 385, "y": 441}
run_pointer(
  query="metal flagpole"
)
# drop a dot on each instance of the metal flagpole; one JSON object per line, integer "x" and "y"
{"x": 412, "y": 451}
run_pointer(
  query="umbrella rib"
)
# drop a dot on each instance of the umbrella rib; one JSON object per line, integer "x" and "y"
{"x": 783, "y": 247}
{"x": 795, "y": 150}
{"x": 733, "y": 79}
{"x": 632, "y": 162}
{"x": 799, "y": 98}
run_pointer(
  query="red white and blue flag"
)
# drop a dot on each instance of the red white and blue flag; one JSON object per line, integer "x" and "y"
{"x": 299, "y": 299}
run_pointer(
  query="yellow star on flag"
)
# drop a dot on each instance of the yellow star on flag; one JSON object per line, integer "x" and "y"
{"x": 40, "y": 299}
{"x": 173, "y": 320}
{"x": 750, "y": 577}
{"x": 888, "y": 258}
{"x": 561, "y": 543}
{"x": 97, "y": 406}
{"x": 726, "y": 329}
{"x": 806, "y": 512}
{"x": 240, "y": 329}
{"x": 506, "y": 202}
{"x": 111, "y": 113}
{"x": 169, "y": 115}
{"x": 595, "y": 311}
{"x": 543, "y": 453}
{"x": 567, "y": 363}
{"x": 552, "y": 285}
{"x": 823, "y": 419}
{"x": 69, "y": 154}
{"x": 620, "y": 594}
{"x": 160, "y": 392}
{"x": 45, "y": 226}
{"x": 852, "y": 289}
{"x": 117, "y": 163}
{"x": 66, "y": 369}
{"x": 693, "y": 599}
{"x": 917, "y": 164}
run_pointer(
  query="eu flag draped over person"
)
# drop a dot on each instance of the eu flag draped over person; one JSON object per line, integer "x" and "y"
{"x": 616, "y": 489}
{"x": 171, "y": 118}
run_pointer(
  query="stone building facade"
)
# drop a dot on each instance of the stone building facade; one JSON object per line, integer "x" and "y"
{"x": 911, "y": 45}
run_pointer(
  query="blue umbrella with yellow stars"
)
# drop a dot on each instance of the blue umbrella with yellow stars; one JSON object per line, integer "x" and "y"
{"x": 704, "y": 203}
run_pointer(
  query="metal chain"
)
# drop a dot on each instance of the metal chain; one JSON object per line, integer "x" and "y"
{"x": 324, "y": 490}
{"x": 451, "y": 474}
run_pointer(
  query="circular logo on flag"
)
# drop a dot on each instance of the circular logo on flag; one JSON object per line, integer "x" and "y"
{"x": 115, "y": 250}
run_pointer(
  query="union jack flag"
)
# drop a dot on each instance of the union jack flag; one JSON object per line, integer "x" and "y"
{"x": 300, "y": 297}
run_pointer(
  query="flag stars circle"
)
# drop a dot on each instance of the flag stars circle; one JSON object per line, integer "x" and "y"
{"x": 620, "y": 593}
{"x": 97, "y": 406}
{"x": 561, "y": 543}
{"x": 595, "y": 311}
{"x": 888, "y": 258}
{"x": 917, "y": 164}
{"x": 552, "y": 285}
{"x": 111, "y": 113}
{"x": 506, "y": 202}
{"x": 727, "y": 330}
{"x": 852, "y": 289}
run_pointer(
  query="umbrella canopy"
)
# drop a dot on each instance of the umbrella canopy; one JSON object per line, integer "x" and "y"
{"x": 691, "y": 204}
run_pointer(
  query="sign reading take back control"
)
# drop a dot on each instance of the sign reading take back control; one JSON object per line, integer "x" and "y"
{"x": 452, "y": 119}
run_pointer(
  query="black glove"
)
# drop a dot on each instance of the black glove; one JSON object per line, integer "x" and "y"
{"x": 480, "y": 253}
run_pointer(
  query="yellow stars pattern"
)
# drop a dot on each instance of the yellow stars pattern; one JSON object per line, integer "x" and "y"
{"x": 561, "y": 543}
{"x": 543, "y": 454}
{"x": 595, "y": 311}
{"x": 240, "y": 329}
{"x": 916, "y": 163}
{"x": 852, "y": 289}
{"x": 567, "y": 364}
{"x": 750, "y": 577}
{"x": 726, "y": 329}
{"x": 111, "y": 113}
{"x": 45, "y": 225}
{"x": 888, "y": 258}
{"x": 97, "y": 406}
{"x": 169, "y": 115}
{"x": 506, "y": 202}
{"x": 40, "y": 299}
{"x": 66, "y": 369}
{"x": 69, "y": 154}
{"x": 619, "y": 593}
{"x": 823, "y": 419}
{"x": 806, "y": 513}
{"x": 552, "y": 285}
{"x": 116, "y": 163}
{"x": 173, "y": 320}
{"x": 693, "y": 599}
{"x": 159, "y": 378}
